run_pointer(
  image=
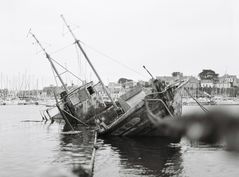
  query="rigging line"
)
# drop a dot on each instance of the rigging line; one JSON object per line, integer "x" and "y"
{"x": 73, "y": 29}
{"x": 85, "y": 71}
{"x": 66, "y": 75}
{"x": 60, "y": 49}
{"x": 54, "y": 76}
{"x": 78, "y": 59}
{"x": 107, "y": 56}
{"x": 200, "y": 105}
{"x": 67, "y": 70}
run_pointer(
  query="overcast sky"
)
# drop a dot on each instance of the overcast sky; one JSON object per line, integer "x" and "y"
{"x": 164, "y": 35}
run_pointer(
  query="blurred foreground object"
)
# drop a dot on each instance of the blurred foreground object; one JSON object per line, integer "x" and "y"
{"x": 212, "y": 127}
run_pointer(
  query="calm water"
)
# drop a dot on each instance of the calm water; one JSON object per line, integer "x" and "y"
{"x": 40, "y": 149}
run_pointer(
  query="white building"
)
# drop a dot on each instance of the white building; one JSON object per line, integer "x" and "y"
{"x": 207, "y": 83}
{"x": 227, "y": 81}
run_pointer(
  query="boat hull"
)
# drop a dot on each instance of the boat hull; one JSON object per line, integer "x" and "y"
{"x": 137, "y": 122}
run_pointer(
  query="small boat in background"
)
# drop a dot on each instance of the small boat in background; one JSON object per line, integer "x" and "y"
{"x": 2, "y": 102}
{"x": 219, "y": 100}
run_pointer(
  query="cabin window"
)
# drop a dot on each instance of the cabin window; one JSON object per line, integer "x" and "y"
{"x": 74, "y": 99}
{"x": 83, "y": 95}
{"x": 90, "y": 90}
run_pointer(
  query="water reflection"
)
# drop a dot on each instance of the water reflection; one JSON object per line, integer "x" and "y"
{"x": 30, "y": 148}
{"x": 76, "y": 149}
{"x": 138, "y": 157}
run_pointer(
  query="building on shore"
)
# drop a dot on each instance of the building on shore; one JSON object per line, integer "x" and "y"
{"x": 208, "y": 84}
{"x": 226, "y": 85}
{"x": 227, "y": 81}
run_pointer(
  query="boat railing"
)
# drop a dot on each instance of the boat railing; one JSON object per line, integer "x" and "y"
{"x": 161, "y": 101}
{"x": 165, "y": 99}
{"x": 155, "y": 117}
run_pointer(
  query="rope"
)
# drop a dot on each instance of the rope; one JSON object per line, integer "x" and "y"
{"x": 163, "y": 104}
{"x": 78, "y": 59}
{"x": 155, "y": 119}
{"x": 60, "y": 49}
{"x": 75, "y": 118}
{"x": 200, "y": 105}
{"x": 67, "y": 120}
{"x": 67, "y": 70}
{"x": 54, "y": 76}
{"x": 64, "y": 117}
{"x": 112, "y": 59}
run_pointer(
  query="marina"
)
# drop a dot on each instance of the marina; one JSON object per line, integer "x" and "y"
{"x": 147, "y": 128}
{"x": 119, "y": 89}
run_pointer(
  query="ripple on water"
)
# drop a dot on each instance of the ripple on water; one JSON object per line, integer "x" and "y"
{"x": 34, "y": 148}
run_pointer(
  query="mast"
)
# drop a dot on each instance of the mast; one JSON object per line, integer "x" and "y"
{"x": 1, "y": 80}
{"x": 88, "y": 60}
{"x": 49, "y": 59}
{"x": 149, "y": 72}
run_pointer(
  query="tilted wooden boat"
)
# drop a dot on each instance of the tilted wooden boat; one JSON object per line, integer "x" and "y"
{"x": 128, "y": 117}
{"x": 134, "y": 119}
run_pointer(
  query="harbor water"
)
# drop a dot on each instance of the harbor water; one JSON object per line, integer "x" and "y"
{"x": 30, "y": 147}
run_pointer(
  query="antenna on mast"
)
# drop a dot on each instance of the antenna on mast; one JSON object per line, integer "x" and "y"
{"x": 29, "y": 32}
{"x": 49, "y": 59}
{"x": 148, "y": 72}
{"x": 88, "y": 60}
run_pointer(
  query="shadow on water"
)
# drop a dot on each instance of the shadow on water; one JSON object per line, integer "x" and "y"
{"x": 148, "y": 156}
